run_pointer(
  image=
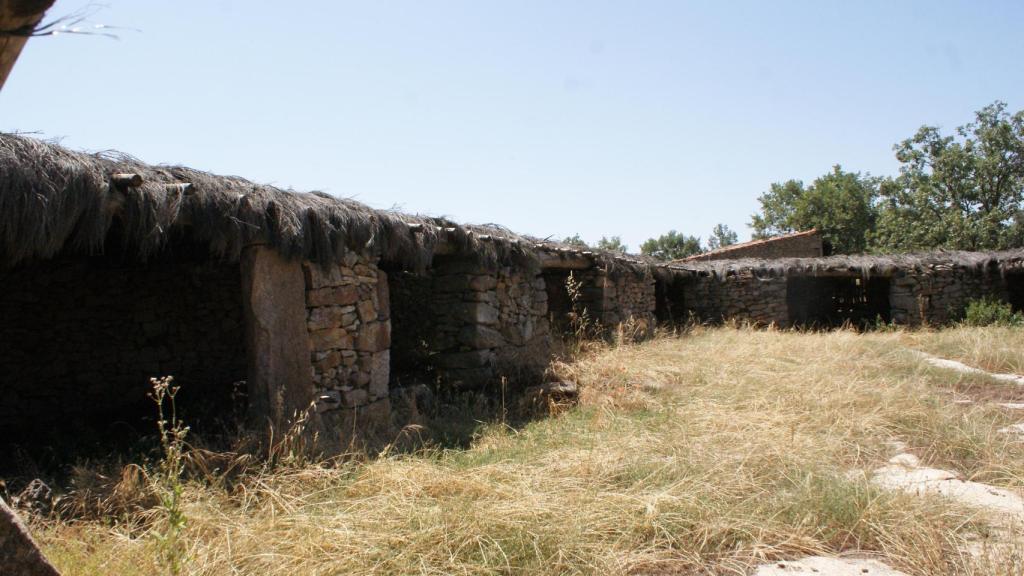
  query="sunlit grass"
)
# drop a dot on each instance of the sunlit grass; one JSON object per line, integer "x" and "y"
{"x": 708, "y": 452}
{"x": 994, "y": 349}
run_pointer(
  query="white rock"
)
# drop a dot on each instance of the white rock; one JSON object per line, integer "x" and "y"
{"x": 905, "y": 459}
{"x": 1013, "y": 429}
{"x": 826, "y": 566}
{"x": 897, "y": 445}
{"x": 965, "y": 369}
{"x": 945, "y": 483}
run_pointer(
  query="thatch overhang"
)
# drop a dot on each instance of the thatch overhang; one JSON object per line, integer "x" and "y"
{"x": 864, "y": 266}
{"x": 57, "y": 201}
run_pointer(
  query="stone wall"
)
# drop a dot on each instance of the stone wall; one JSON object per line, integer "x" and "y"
{"x": 80, "y": 339}
{"x": 465, "y": 325}
{"x": 936, "y": 294}
{"x": 629, "y": 298}
{"x": 348, "y": 317}
{"x": 939, "y": 294}
{"x": 588, "y": 296}
{"x": 610, "y": 299}
{"x": 741, "y": 295}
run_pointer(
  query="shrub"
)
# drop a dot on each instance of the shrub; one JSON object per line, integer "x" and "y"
{"x": 990, "y": 311}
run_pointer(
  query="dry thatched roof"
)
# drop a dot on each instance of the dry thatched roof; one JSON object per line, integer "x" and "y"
{"x": 855, "y": 265}
{"x": 53, "y": 200}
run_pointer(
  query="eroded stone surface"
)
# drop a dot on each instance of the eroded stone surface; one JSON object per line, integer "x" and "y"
{"x": 965, "y": 369}
{"x": 903, "y": 473}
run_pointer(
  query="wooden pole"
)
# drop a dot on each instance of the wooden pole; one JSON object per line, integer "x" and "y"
{"x": 127, "y": 180}
{"x": 182, "y": 188}
{"x": 18, "y": 18}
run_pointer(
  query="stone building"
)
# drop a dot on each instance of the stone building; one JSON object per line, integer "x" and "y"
{"x": 932, "y": 288}
{"x": 806, "y": 244}
{"x": 265, "y": 303}
{"x": 279, "y": 307}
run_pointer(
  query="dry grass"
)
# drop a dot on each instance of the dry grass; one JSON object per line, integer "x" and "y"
{"x": 700, "y": 454}
{"x": 994, "y": 349}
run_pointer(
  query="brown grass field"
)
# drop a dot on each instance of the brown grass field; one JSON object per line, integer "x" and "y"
{"x": 704, "y": 453}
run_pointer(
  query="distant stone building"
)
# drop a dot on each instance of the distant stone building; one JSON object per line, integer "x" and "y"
{"x": 928, "y": 288}
{"x": 806, "y": 244}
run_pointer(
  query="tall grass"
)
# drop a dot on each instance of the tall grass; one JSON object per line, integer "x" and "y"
{"x": 705, "y": 453}
{"x": 995, "y": 348}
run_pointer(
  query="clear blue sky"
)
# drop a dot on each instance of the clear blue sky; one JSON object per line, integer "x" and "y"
{"x": 549, "y": 117}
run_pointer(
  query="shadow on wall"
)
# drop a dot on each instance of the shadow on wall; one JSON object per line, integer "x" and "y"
{"x": 414, "y": 330}
{"x": 670, "y": 302}
{"x": 560, "y": 306}
{"x": 462, "y": 324}
{"x": 1015, "y": 290}
{"x": 81, "y": 337}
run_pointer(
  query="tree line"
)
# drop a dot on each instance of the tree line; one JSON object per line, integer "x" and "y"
{"x": 670, "y": 246}
{"x": 961, "y": 191}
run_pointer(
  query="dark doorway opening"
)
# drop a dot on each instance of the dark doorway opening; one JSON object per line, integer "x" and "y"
{"x": 1015, "y": 290}
{"x": 825, "y": 302}
{"x": 414, "y": 328}
{"x": 559, "y": 303}
{"x": 670, "y": 301}
{"x": 82, "y": 336}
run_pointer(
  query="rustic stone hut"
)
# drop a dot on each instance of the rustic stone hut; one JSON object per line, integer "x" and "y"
{"x": 301, "y": 304}
{"x": 282, "y": 305}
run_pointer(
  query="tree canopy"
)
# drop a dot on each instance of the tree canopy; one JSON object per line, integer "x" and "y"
{"x": 961, "y": 191}
{"x": 721, "y": 236}
{"x": 839, "y": 204}
{"x": 574, "y": 240}
{"x": 671, "y": 246}
{"x": 612, "y": 244}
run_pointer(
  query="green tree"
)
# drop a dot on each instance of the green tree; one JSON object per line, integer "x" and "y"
{"x": 671, "y": 246}
{"x": 613, "y": 244}
{"x": 963, "y": 191}
{"x": 721, "y": 236}
{"x": 841, "y": 205}
{"x": 575, "y": 240}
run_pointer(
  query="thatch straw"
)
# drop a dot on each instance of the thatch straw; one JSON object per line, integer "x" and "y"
{"x": 54, "y": 201}
{"x": 856, "y": 265}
